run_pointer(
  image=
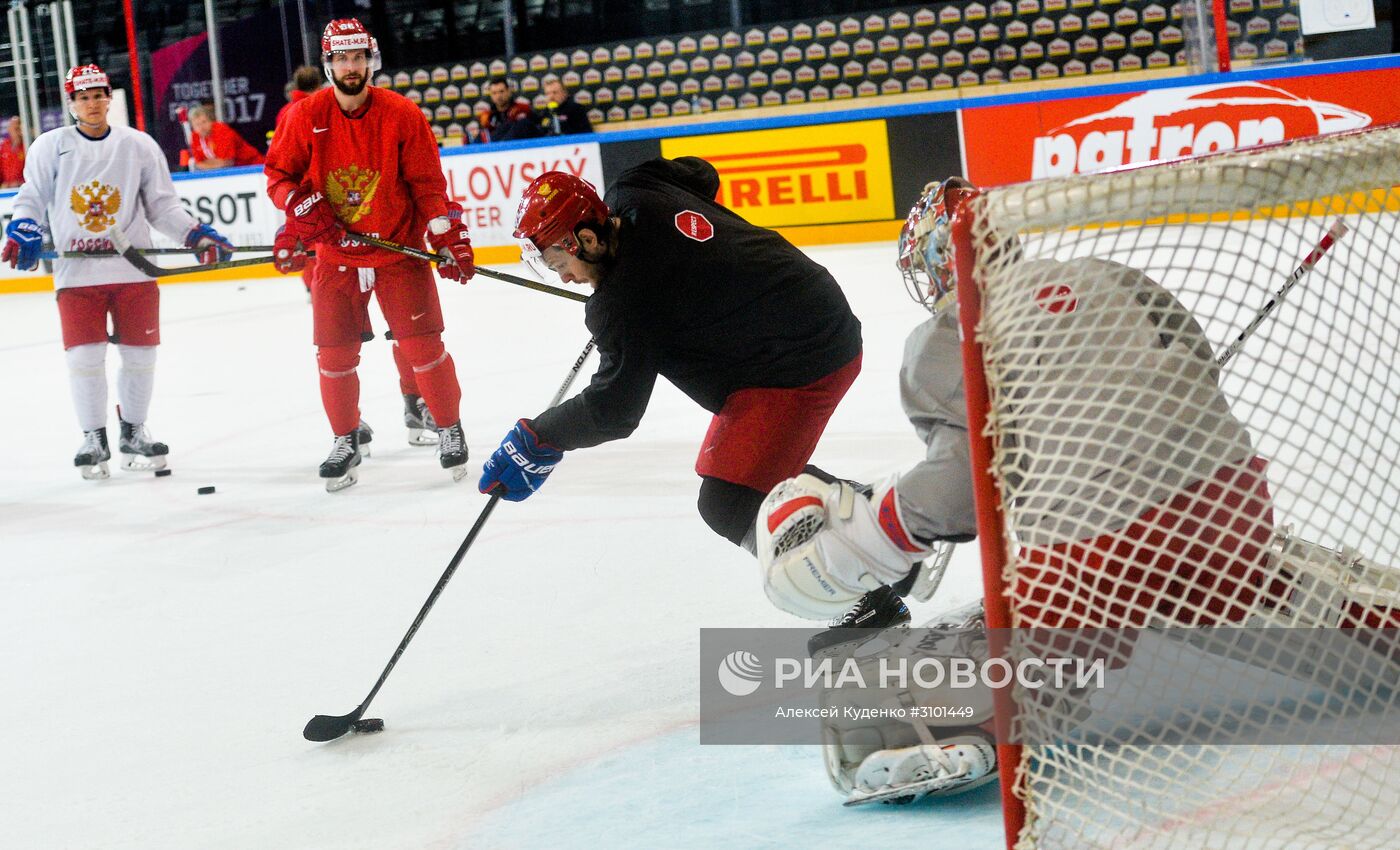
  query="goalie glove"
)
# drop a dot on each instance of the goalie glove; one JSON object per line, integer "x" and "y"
{"x": 822, "y": 546}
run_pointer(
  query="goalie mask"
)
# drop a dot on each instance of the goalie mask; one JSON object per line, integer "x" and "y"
{"x": 925, "y": 243}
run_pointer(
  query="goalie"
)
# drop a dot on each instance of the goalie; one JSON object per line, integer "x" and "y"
{"x": 1139, "y": 500}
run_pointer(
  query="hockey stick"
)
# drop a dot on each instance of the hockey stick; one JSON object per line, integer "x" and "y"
{"x": 491, "y": 273}
{"x": 49, "y": 253}
{"x": 1334, "y": 233}
{"x": 324, "y": 727}
{"x": 133, "y": 255}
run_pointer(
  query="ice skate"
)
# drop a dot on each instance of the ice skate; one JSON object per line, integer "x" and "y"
{"x": 422, "y": 430}
{"x": 339, "y": 468}
{"x": 452, "y": 451}
{"x": 92, "y": 457}
{"x": 879, "y": 609}
{"x": 365, "y": 435}
{"x": 139, "y": 452}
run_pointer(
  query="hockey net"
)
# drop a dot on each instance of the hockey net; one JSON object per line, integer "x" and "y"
{"x": 1130, "y": 481}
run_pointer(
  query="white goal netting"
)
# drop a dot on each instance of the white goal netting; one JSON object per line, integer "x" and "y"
{"x": 1139, "y": 483}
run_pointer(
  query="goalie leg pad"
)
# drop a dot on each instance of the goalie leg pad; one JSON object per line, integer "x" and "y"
{"x": 822, "y": 545}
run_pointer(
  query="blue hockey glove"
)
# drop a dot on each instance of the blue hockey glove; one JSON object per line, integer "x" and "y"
{"x": 25, "y": 241}
{"x": 519, "y": 467}
{"x": 209, "y": 247}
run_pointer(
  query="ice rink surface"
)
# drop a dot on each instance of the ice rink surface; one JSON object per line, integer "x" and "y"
{"x": 163, "y": 650}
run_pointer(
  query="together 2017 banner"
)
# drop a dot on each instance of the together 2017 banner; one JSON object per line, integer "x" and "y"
{"x": 253, "y": 80}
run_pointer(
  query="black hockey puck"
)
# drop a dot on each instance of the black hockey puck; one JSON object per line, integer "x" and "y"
{"x": 161, "y": 473}
{"x": 204, "y": 491}
{"x": 369, "y": 724}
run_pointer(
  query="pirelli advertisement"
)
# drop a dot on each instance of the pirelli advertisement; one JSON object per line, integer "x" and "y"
{"x": 827, "y": 179}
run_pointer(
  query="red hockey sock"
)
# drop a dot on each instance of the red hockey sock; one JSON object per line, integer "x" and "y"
{"x": 436, "y": 375}
{"x": 408, "y": 382}
{"x": 340, "y": 386}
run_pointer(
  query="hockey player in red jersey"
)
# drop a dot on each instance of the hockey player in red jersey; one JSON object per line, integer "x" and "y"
{"x": 732, "y": 314}
{"x": 356, "y": 158}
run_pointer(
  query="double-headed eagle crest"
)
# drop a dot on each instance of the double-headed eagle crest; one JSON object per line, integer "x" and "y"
{"x": 351, "y": 189}
{"x": 96, "y": 205}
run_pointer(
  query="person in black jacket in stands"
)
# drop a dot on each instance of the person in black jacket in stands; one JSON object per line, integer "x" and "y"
{"x": 509, "y": 118}
{"x": 562, "y": 115}
{"x": 732, "y": 314}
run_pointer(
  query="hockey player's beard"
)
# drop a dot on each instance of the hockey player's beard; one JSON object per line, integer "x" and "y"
{"x": 350, "y": 89}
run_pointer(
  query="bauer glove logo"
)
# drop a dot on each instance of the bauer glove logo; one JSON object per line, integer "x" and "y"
{"x": 523, "y": 461}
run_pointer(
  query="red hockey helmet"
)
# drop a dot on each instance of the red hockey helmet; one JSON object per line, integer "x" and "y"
{"x": 925, "y": 243}
{"x": 84, "y": 77}
{"x": 553, "y": 205}
{"x": 343, "y": 35}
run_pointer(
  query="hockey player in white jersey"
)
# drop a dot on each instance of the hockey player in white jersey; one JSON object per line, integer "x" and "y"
{"x": 79, "y": 183}
{"x": 1160, "y": 458}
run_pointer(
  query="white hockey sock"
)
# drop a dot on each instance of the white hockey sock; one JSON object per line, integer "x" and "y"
{"x": 87, "y": 378}
{"x": 136, "y": 380}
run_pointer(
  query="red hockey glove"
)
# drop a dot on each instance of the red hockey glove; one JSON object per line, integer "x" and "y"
{"x": 448, "y": 236}
{"x": 311, "y": 219}
{"x": 287, "y": 253}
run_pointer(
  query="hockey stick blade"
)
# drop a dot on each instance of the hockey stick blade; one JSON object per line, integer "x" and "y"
{"x": 133, "y": 255}
{"x": 324, "y": 727}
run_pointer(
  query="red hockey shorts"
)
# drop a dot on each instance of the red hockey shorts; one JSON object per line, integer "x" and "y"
{"x": 765, "y": 435}
{"x": 407, "y": 295}
{"x": 134, "y": 307}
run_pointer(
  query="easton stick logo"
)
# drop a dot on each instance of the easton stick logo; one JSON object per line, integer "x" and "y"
{"x": 96, "y": 205}
{"x": 351, "y": 191}
{"x": 1191, "y": 120}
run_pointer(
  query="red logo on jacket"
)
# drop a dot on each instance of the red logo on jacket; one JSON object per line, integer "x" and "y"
{"x": 695, "y": 226}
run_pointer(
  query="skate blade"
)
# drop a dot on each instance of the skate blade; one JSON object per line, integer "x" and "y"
{"x": 141, "y": 463}
{"x": 422, "y": 437}
{"x": 364, "y": 450}
{"x": 458, "y": 473}
{"x": 100, "y": 472}
{"x": 335, "y": 485}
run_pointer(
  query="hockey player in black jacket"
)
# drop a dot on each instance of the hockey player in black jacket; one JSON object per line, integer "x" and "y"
{"x": 732, "y": 314}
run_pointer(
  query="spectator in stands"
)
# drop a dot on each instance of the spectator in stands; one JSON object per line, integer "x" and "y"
{"x": 214, "y": 144}
{"x": 509, "y": 118}
{"x": 12, "y": 152}
{"x": 562, "y": 116}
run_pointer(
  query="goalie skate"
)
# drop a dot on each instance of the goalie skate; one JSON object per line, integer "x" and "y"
{"x": 93, "y": 455}
{"x": 139, "y": 452}
{"x": 422, "y": 429}
{"x": 340, "y": 468}
{"x": 899, "y": 777}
